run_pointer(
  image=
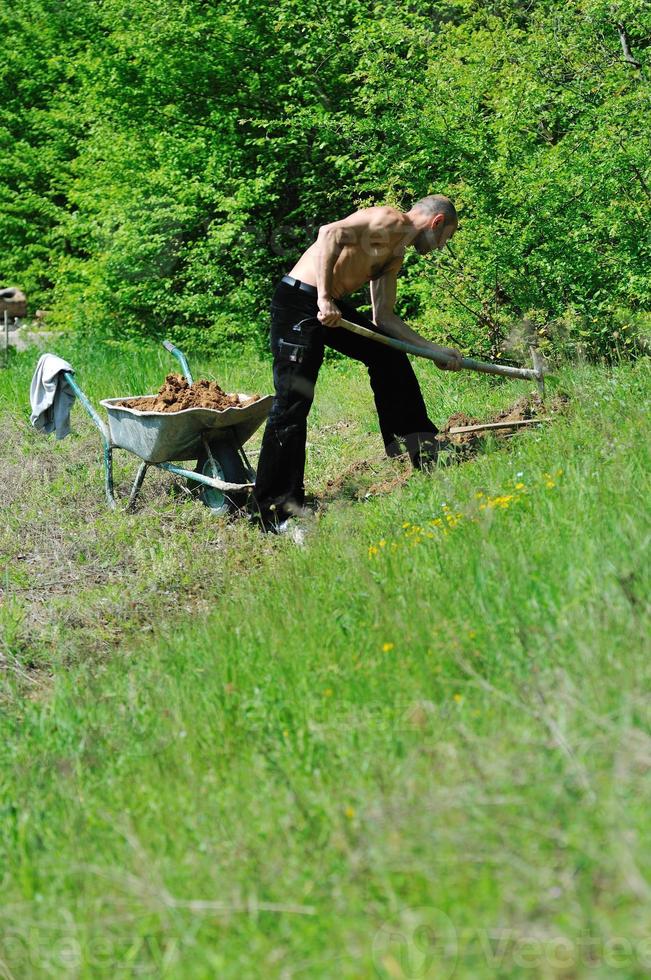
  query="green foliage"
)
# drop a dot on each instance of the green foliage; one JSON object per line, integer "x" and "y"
{"x": 163, "y": 163}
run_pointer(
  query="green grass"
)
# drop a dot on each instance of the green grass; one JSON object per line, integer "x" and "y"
{"x": 428, "y": 757}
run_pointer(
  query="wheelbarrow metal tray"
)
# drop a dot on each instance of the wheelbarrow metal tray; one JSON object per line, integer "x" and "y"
{"x": 160, "y": 437}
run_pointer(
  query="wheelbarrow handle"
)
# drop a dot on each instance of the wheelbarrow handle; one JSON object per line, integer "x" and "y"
{"x": 180, "y": 356}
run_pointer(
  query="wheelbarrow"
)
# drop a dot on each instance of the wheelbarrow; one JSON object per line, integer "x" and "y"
{"x": 223, "y": 475}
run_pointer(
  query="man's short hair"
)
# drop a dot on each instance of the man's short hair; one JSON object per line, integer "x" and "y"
{"x": 438, "y": 204}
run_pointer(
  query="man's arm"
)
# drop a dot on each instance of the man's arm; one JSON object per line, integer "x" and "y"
{"x": 383, "y": 298}
{"x": 330, "y": 242}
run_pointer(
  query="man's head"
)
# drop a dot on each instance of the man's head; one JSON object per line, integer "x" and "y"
{"x": 435, "y": 218}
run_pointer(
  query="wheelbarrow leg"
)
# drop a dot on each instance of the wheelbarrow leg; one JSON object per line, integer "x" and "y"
{"x": 108, "y": 476}
{"x": 106, "y": 439}
{"x": 245, "y": 459}
{"x": 137, "y": 484}
{"x": 208, "y": 451}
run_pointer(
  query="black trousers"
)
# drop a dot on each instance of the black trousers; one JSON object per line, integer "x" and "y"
{"x": 297, "y": 345}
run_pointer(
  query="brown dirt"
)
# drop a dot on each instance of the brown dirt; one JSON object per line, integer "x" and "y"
{"x": 527, "y": 407}
{"x": 368, "y": 478}
{"x": 176, "y": 395}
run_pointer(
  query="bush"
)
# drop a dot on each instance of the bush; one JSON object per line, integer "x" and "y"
{"x": 163, "y": 164}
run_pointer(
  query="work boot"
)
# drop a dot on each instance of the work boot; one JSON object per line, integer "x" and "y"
{"x": 292, "y": 529}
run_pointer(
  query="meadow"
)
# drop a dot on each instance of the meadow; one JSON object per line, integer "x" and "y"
{"x": 418, "y": 747}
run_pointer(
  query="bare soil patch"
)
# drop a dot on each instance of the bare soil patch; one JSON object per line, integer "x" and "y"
{"x": 528, "y": 407}
{"x": 176, "y": 394}
{"x": 368, "y": 478}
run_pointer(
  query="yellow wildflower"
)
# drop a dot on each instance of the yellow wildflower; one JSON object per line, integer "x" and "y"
{"x": 503, "y": 501}
{"x": 350, "y": 812}
{"x": 458, "y": 698}
{"x": 387, "y": 647}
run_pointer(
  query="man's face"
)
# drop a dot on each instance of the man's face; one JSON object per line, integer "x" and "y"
{"x": 434, "y": 238}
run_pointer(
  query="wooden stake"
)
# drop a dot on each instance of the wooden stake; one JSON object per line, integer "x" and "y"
{"x": 485, "y": 426}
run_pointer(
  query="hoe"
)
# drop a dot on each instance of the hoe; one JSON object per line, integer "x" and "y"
{"x": 536, "y": 374}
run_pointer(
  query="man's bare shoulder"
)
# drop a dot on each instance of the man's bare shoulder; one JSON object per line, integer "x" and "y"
{"x": 379, "y": 216}
{"x": 390, "y": 212}
{"x": 386, "y": 216}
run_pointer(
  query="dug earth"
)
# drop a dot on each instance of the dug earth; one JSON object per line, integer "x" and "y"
{"x": 176, "y": 394}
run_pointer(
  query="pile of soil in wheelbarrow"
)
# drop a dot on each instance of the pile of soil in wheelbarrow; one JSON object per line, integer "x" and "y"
{"x": 176, "y": 395}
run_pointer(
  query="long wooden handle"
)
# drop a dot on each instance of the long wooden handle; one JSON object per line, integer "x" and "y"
{"x": 468, "y": 363}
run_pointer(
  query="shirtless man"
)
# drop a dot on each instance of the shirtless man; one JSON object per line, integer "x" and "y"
{"x": 367, "y": 246}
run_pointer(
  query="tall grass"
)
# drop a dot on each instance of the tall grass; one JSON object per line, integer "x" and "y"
{"x": 419, "y": 747}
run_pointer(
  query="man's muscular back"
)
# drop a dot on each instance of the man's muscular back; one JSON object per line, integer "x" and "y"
{"x": 355, "y": 250}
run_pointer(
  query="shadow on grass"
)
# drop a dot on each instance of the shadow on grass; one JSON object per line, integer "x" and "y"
{"x": 373, "y": 477}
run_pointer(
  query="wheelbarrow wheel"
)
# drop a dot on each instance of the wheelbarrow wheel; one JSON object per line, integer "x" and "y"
{"x": 227, "y": 466}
